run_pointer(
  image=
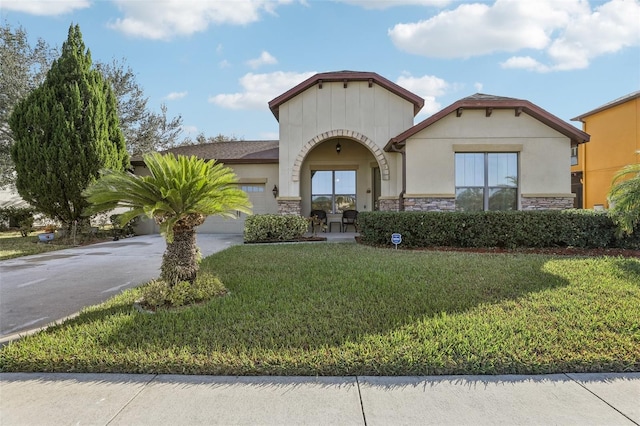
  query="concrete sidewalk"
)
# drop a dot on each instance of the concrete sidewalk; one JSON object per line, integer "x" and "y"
{"x": 112, "y": 399}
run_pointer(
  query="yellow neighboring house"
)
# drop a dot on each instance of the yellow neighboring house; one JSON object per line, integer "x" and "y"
{"x": 615, "y": 142}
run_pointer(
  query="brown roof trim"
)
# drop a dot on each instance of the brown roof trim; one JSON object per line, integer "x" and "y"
{"x": 345, "y": 77}
{"x": 615, "y": 102}
{"x": 481, "y": 101}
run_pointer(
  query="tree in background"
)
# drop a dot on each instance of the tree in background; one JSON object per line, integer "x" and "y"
{"x": 202, "y": 139}
{"x": 179, "y": 193}
{"x": 66, "y": 131}
{"x": 144, "y": 130}
{"x": 22, "y": 69}
{"x": 624, "y": 196}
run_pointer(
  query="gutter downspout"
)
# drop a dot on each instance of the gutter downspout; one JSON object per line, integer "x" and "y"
{"x": 400, "y": 147}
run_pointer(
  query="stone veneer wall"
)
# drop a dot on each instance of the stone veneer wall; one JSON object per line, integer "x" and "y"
{"x": 429, "y": 204}
{"x": 290, "y": 207}
{"x": 389, "y": 204}
{"x": 546, "y": 203}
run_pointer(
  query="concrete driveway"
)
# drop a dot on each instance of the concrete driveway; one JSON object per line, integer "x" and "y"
{"x": 41, "y": 289}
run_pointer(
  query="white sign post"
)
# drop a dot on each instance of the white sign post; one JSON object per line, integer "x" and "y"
{"x": 396, "y": 239}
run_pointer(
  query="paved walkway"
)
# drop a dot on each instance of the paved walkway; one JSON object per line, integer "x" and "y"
{"x": 114, "y": 399}
{"x": 39, "y": 290}
{"x": 111, "y": 399}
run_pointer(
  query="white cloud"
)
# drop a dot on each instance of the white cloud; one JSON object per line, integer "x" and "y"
{"x": 170, "y": 18}
{"x": 608, "y": 29}
{"x": 259, "y": 89}
{"x": 45, "y": 7}
{"x": 478, "y": 86}
{"x": 224, "y": 64}
{"x": 385, "y": 4}
{"x": 428, "y": 87}
{"x": 569, "y": 32}
{"x": 265, "y": 58}
{"x": 525, "y": 63}
{"x": 175, "y": 95}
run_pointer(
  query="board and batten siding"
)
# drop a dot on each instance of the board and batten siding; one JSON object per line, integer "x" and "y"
{"x": 373, "y": 112}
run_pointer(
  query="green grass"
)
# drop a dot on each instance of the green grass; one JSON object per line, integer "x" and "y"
{"x": 346, "y": 309}
{"x": 13, "y": 245}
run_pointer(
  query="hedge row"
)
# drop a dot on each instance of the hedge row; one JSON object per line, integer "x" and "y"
{"x": 274, "y": 227}
{"x": 574, "y": 228}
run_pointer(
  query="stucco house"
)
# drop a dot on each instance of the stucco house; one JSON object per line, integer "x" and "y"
{"x": 347, "y": 140}
{"x": 615, "y": 142}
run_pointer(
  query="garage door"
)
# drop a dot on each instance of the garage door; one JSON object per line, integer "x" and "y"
{"x": 220, "y": 225}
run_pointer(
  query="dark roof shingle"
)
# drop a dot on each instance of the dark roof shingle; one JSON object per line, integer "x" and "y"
{"x": 237, "y": 152}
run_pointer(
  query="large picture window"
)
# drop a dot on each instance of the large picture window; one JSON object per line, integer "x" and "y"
{"x": 333, "y": 191}
{"x": 486, "y": 181}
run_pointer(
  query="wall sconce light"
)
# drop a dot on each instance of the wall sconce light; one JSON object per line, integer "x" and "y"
{"x": 338, "y": 147}
{"x": 275, "y": 191}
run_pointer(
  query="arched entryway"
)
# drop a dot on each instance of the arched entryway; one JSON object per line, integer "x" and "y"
{"x": 339, "y": 170}
{"x": 375, "y": 150}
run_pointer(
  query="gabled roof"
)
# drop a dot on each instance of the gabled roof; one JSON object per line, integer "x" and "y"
{"x": 231, "y": 152}
{"x": 346, "y": 76}
{"x": 608, "y": 105}
{"x": 489, "y": 102}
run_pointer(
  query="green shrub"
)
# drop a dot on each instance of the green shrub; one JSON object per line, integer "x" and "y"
{"x": 157, "y": 294}
{"x": 549, "y": 228}
{"x": 14, "y": 217}
{"x": 274, "y": 227}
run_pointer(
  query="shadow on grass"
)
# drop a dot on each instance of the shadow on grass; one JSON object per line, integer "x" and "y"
{"x": 629, "y": 268}
{"x": 296, "y": 309}
{"x": 286, "y": 298}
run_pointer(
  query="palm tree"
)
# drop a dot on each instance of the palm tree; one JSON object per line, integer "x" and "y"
{"x": 179, "y": 194}
{"x": 624, "y": 197}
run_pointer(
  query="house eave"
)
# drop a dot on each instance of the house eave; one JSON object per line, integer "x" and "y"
{"x": 576, "y": 135}
{"x": 345, "y": 77}
{"x": 608, "y": 105}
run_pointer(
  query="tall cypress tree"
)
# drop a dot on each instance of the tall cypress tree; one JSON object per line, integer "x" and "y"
{"x": 65, "y": 132}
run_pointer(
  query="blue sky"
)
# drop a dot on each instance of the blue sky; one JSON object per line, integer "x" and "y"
{"x": 218, "y": 63}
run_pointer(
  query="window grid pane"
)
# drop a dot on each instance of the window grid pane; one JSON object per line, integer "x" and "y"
{"x": 486, "y": 181}
{"x": 333, "y": 190}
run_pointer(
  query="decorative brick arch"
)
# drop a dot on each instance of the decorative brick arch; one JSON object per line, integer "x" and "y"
{"x": 341, "y": 133}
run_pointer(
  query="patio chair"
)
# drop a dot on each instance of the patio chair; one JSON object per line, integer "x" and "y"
{"x": 350, "y": 217}
{"x": 322, "y": 217}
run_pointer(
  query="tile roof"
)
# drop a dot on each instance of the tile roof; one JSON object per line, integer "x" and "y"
{"x": 481, "y": 101}
{"x": 237, "y": 152}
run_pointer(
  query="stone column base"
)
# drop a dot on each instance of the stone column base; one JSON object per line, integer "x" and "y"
{"x": 389, "y": 204}
{"x": 291, "y": 205}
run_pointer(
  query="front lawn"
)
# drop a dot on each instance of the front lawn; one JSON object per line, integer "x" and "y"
{"x": 12, "y": 245}
{"x": 347, "y": 309}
